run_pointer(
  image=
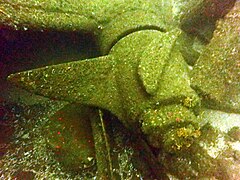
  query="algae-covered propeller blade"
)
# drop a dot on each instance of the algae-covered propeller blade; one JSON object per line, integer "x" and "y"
{"x": 216, "y": 75}
{"x": 88, "y": 82}
{"x": 154, "y": 59}
{"x": 41, "y": 14}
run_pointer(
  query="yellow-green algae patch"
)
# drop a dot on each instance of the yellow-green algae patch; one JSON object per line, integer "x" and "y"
{"x": 172, "y": 127}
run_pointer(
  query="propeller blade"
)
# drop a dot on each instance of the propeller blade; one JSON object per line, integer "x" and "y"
{"x": 88, "y": 82}
{"x": 216, "y": 75}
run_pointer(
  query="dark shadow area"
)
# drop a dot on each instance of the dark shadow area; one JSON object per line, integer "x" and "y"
{"x": 24, "y": 50}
